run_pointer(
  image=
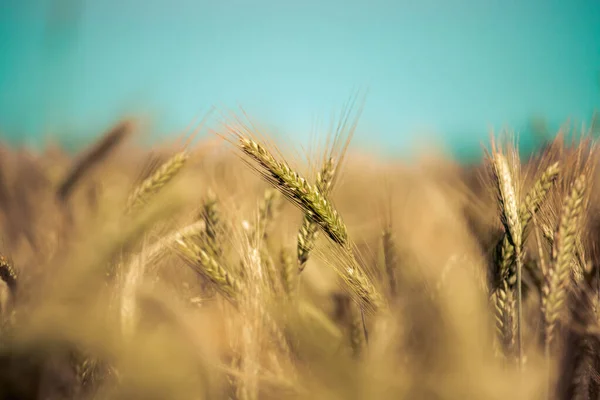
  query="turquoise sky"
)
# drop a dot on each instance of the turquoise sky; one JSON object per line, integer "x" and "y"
{"x": 455, "y": 67}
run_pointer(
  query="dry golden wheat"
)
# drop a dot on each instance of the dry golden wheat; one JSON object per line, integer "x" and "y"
{"x": 556, "y": 283}
{"x": 149, "y": 187}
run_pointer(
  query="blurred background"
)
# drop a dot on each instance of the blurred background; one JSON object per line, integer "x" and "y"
{"x": 447, "y": 69}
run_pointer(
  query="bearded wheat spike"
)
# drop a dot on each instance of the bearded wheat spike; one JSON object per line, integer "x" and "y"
{"x": 538, "y": 193}
{"x": 288, "y": 272}
{"x": 556, "y": 282}
{"x": 207, "y": 265}
{"x": 508, "y": 200}
{"x": 510, "y": 218}
{"x": 504, "y": 312}
{"x": 297, "y": 190}
{"x": 357, "y": 331}
{"x": 149, "y": 187}
{"x": 309, "y": 231}
{"x": 267, "y": 211}
{"x": 211, "y": 216}
{"x": 533, "y": 201}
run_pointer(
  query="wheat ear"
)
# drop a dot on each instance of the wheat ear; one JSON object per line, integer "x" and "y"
{"x": 160, "y": 248}
{"x": 510, "y": 219}
{"x": 212, "y": 219}
{"x": 208, "y": 266}
{"x": 297, "y": 190}
{"x": 315, "y": 205}
{"x": 267, "y": 211}
{"x": 357, "y": 329}
{"x": 537, "y": 195}
{"x": 288, "y": 272}
{"x": 556, "y": 282}
{"x": 504, "y": 304}
{"x": 152, "y": 185}
{"x": 532, "y": 202}
{"x": 309, "y": 230}
{"x": 504, "y": 310}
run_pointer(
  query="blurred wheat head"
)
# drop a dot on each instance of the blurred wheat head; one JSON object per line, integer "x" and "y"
{"x": 233, "y": 270}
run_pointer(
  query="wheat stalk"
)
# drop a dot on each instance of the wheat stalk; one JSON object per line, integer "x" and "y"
{"x": 389, "y": 255}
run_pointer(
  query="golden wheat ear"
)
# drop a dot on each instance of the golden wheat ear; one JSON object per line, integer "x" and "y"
{"x": 310, "y": 201}
{"x": 506, "y": 180}
{"x": 308, "y": 232}
{"x": 268, "y": 209}
{"x": 295, "y": 188}
{"x": 556, "y": 281}
{"x": 329, "y": 172}
{"x": 148, "y": 188}
{"x": 537, "y": 195}
{"x": 211, "y": 215}
{"x": 288, "y": 272}
{"x": 205, "y": 264}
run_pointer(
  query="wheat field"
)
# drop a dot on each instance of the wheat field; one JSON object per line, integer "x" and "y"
{"x": 232, "y": 268}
